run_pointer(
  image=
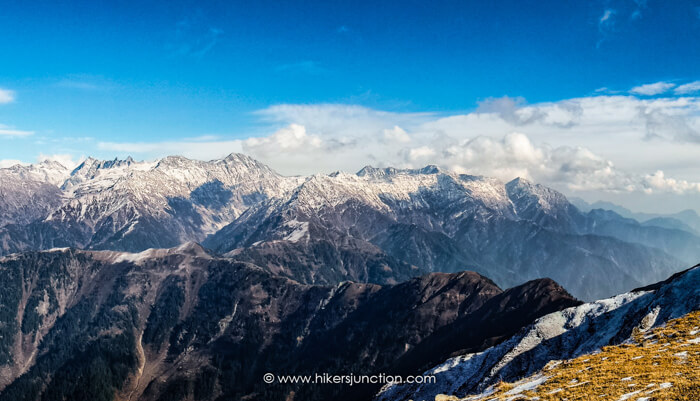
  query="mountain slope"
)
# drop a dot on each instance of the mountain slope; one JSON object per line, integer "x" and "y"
{"x": 28, "y": 193}
{"x": 561, "y": 335}
{"x": 443, "y": 221}
{"x": 328, "y": 263}
{"x": 176, "y": 324}
{"x": 659, "y": 364}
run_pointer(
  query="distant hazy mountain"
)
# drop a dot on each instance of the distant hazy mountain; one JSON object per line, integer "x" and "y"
{"x": 379, "y": 225}
{"x": 687, "y": 220}
{"x": 180, "y": 324}
{"x": 564, "y": 335}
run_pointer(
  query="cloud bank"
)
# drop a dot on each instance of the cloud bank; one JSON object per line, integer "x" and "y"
{"x": 616, "y": 144}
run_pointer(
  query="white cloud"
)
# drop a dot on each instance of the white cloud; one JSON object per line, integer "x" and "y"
{"x": 5, "y": 163}
{"x": 515, "y": 155}
{"x": 606, "y": 18}
{"x": 652, "y": 89}
{"x": 668, "y": 124}
{"x": 196, "y": 149}
{"x": 605, "y": 144}
{"x": 6, "y": 96}
{"x": 637, "y": 13}
{"x": 8, "y": 131}
{"x": 422, "y": 154}
{"x": 396, "y": 135}
{"x": 606, "y": 25}
{"x": 511, "y": 110}
{"x": 194, "y": 37}
{"x": 65, "y": 159}
{"x": 571, "y": 144}
{"x": 288, "y": 139}
{"x": 659, "y": 181}
{"x": 516, "y": 112}
{"x": 340, "y": 120}
{"x": 685, "y": 89}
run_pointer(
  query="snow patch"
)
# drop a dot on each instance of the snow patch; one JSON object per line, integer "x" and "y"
{"x": 527, "y": 385}
{"x": 628, "y": 395}
{"x": 299, "y": 230}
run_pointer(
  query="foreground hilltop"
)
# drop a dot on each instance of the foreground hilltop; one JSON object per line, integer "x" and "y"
{"x": 619, "y": 346}
{"x": 659, "y": 364}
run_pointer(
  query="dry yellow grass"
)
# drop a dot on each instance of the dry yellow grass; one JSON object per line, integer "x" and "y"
{"x": 660, "y": 364}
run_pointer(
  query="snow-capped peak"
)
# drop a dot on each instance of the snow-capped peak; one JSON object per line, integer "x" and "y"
{"x": 539, "y": 203}
{"x": 97, "y": 174}
{"x": 377, "y": 173}
{"x": 47, "y": 171}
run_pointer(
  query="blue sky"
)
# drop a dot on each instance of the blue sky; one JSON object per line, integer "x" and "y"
{"x": 99, "y": 78}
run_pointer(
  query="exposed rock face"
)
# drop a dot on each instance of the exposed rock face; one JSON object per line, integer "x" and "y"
{"x": 181, "y": 324}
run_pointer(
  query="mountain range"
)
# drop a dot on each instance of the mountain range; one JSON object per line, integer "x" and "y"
{"x": 686, "y": 220}
{"x": 108, "y": 294}
{"x": 379, "y": 225}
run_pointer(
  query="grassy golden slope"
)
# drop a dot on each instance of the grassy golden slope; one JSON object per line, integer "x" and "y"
{"x": 660, "y": 364}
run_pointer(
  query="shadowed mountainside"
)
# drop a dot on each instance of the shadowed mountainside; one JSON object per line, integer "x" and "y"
{"x": 181, "y": 324}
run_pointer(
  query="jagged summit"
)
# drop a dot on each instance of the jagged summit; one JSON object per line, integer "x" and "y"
{"x": 374, "y": 172}
{"x": 48, "y": 163}
{"x": 542, "y": 204}
{"x": 46, "y": 171}
{"x": 91, "y": 163}
{"x": 192, "y": 248}
{"x": 239, "y": 157}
